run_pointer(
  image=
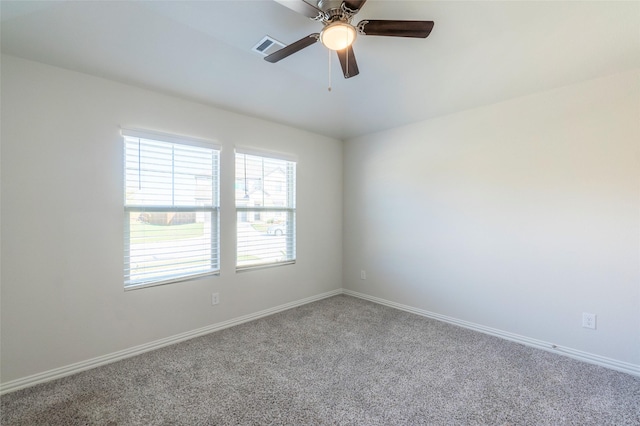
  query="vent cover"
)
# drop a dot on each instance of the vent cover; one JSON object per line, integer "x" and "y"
{"x": 267, "y": 46}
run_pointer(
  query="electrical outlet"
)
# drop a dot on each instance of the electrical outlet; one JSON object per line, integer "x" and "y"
{"x": 589, "y": 320}
{"x": 215, "y": 298}
{"x": 363, "y": 275}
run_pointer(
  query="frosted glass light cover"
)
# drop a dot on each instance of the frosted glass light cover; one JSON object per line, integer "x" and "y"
{"x": 338, "y": 35}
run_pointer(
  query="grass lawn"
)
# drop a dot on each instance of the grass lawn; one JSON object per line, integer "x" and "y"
{"x": 247, "y": 258}
{"x": 260, "y": 227}
{"x": 144, "y": 232}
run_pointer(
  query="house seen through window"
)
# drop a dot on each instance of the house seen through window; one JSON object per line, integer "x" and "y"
{"x": 266, "y": 210}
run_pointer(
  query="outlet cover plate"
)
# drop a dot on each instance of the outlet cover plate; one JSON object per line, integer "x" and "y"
{"x": 589, "y": 320}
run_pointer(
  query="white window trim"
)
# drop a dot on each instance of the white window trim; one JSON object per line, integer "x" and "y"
{"x": 289, "y": 210}
{"x": 180, "y": 140}
{"x": 277, "y": 155}
{"x": 169, "y": 138}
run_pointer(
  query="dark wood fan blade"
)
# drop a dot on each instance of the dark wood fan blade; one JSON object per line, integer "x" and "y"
{"x": 417, "y": 29}
{"x": 354, "y": 5}
{"x": 292, "y": 48}
{"x": 348, "y": 62}
{"x": 302, "y": 7}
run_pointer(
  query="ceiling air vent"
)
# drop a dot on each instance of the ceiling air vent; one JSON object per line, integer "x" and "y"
{"x": 267, "y": 46}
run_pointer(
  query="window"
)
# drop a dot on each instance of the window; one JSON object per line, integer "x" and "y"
{"x": 266, "y": 210}
{"x": 171, "y": 211}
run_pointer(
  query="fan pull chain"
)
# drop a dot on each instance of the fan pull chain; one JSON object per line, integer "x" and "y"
{"x": 346, "y": 59}
{"x": 329, "y": 88}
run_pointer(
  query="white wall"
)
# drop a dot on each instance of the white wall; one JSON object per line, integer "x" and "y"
{"x": 517, "y": 216}
{"x": 62, "y": 219}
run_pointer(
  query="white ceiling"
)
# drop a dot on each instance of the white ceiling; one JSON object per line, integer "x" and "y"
{"x": 479, "y": 52}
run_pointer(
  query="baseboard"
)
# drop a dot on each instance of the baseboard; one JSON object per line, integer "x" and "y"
{"x": 140, "y": 349}
{"x": 613, "y": 364}
{"x": 68, "y": 370}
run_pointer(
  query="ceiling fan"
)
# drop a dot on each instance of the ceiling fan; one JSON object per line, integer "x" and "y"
{"x": 339, "y": 34}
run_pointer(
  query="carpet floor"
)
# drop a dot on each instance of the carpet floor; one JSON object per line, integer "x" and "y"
{"x": 338, "y": 361}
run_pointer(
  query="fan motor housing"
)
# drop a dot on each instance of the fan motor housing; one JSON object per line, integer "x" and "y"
{"x": 329, "y": 4}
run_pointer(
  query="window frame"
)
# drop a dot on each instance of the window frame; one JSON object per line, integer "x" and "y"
{"x": 213, "y": 210}
{"x": 289, "y": 210}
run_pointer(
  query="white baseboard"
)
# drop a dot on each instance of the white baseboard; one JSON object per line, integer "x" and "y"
{"x": 613, "y": 364}
{"x": 68, "y": 370}
{"x": 140, "y": 349}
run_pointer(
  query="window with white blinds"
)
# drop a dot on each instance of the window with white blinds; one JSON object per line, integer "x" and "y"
{"x": 266, "y": 210}
{"x": 171, "y": 209}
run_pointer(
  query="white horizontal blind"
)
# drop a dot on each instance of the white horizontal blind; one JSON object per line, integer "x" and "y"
{"x": 266, "y": 210}
{"x": 171, "y": 211}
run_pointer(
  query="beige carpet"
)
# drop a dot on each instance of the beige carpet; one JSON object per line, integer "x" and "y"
{"x": 337, "y": 361}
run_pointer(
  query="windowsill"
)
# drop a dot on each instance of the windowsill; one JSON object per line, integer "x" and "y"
{"x": 170, "y": 281}
{"x": 270, "y": 265}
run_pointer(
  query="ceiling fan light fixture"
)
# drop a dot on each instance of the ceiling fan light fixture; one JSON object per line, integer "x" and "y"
{"x": 338, "y": 35}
